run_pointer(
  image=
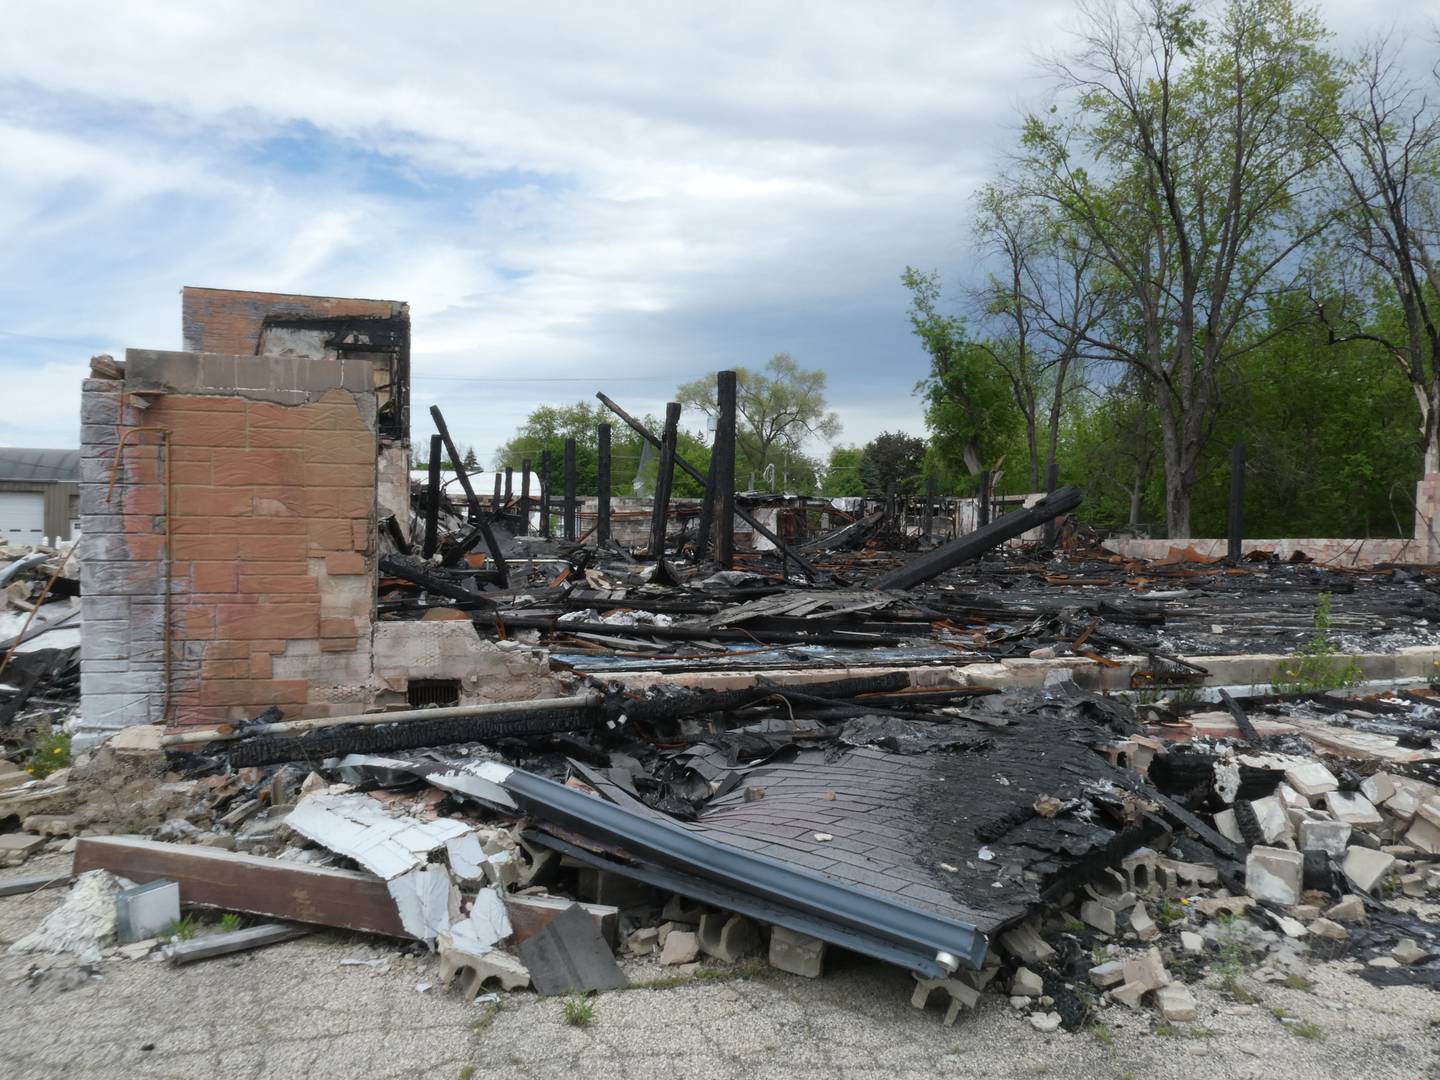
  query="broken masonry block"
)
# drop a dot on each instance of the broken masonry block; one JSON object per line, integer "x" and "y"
{"x": 980, "y": 979}
{"x": 1024, "y": 942}
{"x": 1191, "y": 942}
{"x": 1112, "y": 890}
{"x": 678, "y": 909}
{"x": 1175, "y": 1002}
{"x": 1403, "y": 805}
{"x": 1423, "y": 835}
{"x": 681, "y": 947}
{"x": 961, "y": 996}
{"x": 797, "y": 953}
{"x": 1188, "y": 874}
{"x": 1139, "y": 869}
{"x": 1025, "y": 983}
{"x": 1273, "y": 819}
{"x": 1365, "y": 868}
{"x": 1325, "y": 928}
{"x": 1378, "y": 788}
{"x": 1412, "y": 884}
{"x": 1311, "y": 779}
{"x": 727, "y": 937}
{"x": 1353, "y": 808}
{"x": 1228, "y": 827}
{"x": 1350, "y": 909}
{"x": 1330, "y": 837}
{"x": 644, "y": 941}
{"x": 1129, "y": 994}
{"x": 1142, "y": 924}
{"x": 1045, "y": 1021}
{"x": 1147, "y": 970}
{"x": 1408, "y": 952}
{"x": 1274, "y": 874}
{"x": 476, "y": 969}
{"x": 1095, "y": 914}
{"x": 1110, "y": 973}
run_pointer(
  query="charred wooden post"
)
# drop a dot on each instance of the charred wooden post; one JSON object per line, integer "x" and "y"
{"x": 495, "y": 500}
{"x": 545, "y": 494}
{"x": 1052, "y": 478}
{"x": 432, "y": 495}
{"x": 570, "y": 482}
{"x": 936, "y": 562}
{"x": 982, "y": 509}
{"x": 707, "y": 508}
{"x": 602, "y": 484}
{"x": 1235, "y": 537}
{"x": 723, "y": 492}
{"x": 664, "y": 480}
{"x": 509, "y": 484}
{"x": 726, "y": 494}
{"x": 524, "y": 529}
{"x": 497, "y": 557}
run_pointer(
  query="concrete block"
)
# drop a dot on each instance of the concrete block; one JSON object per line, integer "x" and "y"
{"x": 961, "y": 996}
{"x": 728, "y": 937}
{"x": 1110, "y": 973}
{"x": 1025, "y": 944}
{"x": 1045, "y": 1021}
{"x": 1095, "y": 914}
{"x": 1366, "y": 869}
{"x": 476, "y": 969}
{"x": 1129, "y": 994}
{"x": 1176, "y": 1003}
{"x": 1423, "y": 835}
{"x": 1328, "y": 929}
{"x": 1403, "y": 805}
{"x": 1378, "y": 788}
{"x": 1147, "y": 970}
{"x": 1350, "y": 909}
{"x": 681, "y": 947}
{"x": 1139, "y": 869}
{"x": 1273, "y": 818}
{"x": 1227, "y": 827}
{"x": 797, "y": 953}
{"x": 1353, "y": 808}
{"x": 1408, "y": 951}
{"x": 1311, "y": 779}
{"x": 1026, "y": 983}
{"x": 644, "y": 941}
{"x": 1142, "y": 924}
{"x": 1191, "y": 942}
{"x": 1330, "y": 837}
{"x": 1274, "y": 874}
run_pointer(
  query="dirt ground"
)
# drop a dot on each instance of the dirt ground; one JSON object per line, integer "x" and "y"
{"x": 298, "y": 1010}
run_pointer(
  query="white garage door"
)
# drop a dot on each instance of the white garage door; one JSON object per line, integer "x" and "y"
{"x": 22, "y": 517}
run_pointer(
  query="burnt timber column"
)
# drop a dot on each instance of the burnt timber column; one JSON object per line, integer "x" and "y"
{"x": 1235, "y": 535}
{"x": 982, "y": 511}
{"x": 432, "y": 494}
{"x": 545, "y": 494}
{"x": 602, "y": 484}
{"x": 724, "y": 448}
{"x": 664, "y": 480}
{"x": 569, "y": 489}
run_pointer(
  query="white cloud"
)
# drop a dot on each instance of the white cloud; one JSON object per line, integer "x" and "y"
{"x": 560, "y": 190}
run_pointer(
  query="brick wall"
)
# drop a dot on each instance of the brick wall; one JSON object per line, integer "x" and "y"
{"x": 229, "y": 321}
{"x": 271, "y": 553}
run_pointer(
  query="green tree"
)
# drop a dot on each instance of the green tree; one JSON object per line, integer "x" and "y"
{"x": 892, "y": 457}
{"x": 1385, "y": 164}
{"x": 1186, "y": 152}
{"x": 778, "y": 408}
{"x": 471, "y": 462}
{"x": 842, "y": 474}
{"x": 968, "y": 406}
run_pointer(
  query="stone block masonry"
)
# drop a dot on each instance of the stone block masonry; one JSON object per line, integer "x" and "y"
{"x": 260, "y": 525}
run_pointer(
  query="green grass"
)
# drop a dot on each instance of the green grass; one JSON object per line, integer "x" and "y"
{"x": 1299, "y": 982}
{"x": 1102, "y": 1034}
{"x": 1307, "y": 1029}
{"x": 483, "y": 1022}
{"x": 230, "y": 922}
{"x": 745, "y": 969}
{"x": 466, "y": 1072}
{"x": 1168, "y": 912}
{"x": 49, "y": 753}
{"x": 183, "y": 929}
{"x": 579, "y": 1010}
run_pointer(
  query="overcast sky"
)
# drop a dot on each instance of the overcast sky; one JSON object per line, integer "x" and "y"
{"x": 571, "y": 197}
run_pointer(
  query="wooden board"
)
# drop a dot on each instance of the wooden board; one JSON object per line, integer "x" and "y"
{"x": 211, "y": 877}
{"x": 530, "y": 914}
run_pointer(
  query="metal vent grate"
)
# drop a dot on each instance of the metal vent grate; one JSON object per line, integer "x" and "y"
{"x": 423, "y": 692}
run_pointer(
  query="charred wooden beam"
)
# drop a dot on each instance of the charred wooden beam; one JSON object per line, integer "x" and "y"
{"x": 545, "y": 494}
{"x": 418, "y": 574}
{"x": 723, "y": 492}
{"x": 432, "y": 496}
{"x": 497, "y": 557}
{"x": 664, "y": 481}
{"x": 972, "y": 545}
{"x": 725, "y": 495}
{"x": 524, "y": 527}
{"x": 571, "y": 483}
{"x": 602, "y": 484}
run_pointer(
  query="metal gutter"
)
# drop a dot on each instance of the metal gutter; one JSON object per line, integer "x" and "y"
{"x": 947, "y": 941}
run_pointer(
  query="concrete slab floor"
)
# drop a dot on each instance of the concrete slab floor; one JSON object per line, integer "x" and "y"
{"x": 292, "y": 1011}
